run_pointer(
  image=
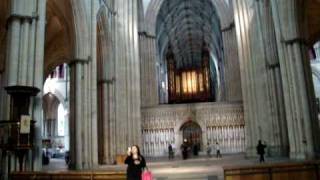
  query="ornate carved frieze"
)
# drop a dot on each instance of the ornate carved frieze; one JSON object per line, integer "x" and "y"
{"x": 220, "y": 122}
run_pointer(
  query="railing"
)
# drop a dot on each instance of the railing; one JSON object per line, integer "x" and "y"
{"x": 284, "y": 171}
{"x": 74, "y": 175}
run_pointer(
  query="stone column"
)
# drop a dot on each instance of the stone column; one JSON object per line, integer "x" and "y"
{"x": 231, "y": 64}
{"x": 78, "y": 119}
{"x": 107, "y": 121}
{"x": 25, "y": 50}
{"x": 50, "y": 108}
{"x": 106, "y": 84}
{"x": 297, "y": 81}
{"x": 148, "y": 73}
{"x": 260, "y": 78}
{"x": 92, "y": 91}
{"x": 85, "y": 71}
{"x": 22, "y": 23}
{"x": 279, "y": 140}
{"x": 37, "y": 77}
{"x": 264, "y": 84}
{"x": 241, "y": 13}
{"x": 127, "y": 71}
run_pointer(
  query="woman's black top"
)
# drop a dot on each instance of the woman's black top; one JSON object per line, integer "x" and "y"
{"x": 135, "y": 167}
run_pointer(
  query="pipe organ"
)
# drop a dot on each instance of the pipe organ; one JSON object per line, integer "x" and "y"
{"x": 189, "y": 84}
{"x": 222, "y": 122}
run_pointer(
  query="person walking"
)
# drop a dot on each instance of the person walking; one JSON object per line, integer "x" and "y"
{"x": 170, "y": 151}
{"x": 184, "y": 149}
{"x": 261, "y": 151}
{"x": 196, "y": 148}
{"x": 209, "y": 150}
{"x": 136, "y": 163}
{"x": 218, "y": 150}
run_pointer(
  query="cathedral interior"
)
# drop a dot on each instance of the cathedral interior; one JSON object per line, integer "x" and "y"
{"x": 92, "y": 77}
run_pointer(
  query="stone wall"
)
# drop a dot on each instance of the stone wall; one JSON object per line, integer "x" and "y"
{"x": 222, "y": 122}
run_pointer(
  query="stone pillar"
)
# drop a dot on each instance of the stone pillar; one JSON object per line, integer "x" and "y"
{"x": 78, "y": 119}
{"x": 25, "y": 50}
{"x": 297, "y": 81}
{"x": 37, "y": 77}
{"x": 107, "y": 121}
{"x": 260, "y": 78}
{"x": 106, "y": 85}
{"x": 148, "y": 72}
{"x": 92, "y": 90}
{"x": 267, "y": 72}
{"x": 50, "y": 108}
{"x": 127, "y": 71}
{"x": 242, "y": 14}
{"x": 279, "y": 138}
{"x": 21, "y": 23}
{"x": 231, "y": 64}
{"x": 84, "y": 72}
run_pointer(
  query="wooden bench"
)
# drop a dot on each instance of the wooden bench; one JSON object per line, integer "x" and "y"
{"x": 71, "y": 175}
{"x": 281, "y": 171}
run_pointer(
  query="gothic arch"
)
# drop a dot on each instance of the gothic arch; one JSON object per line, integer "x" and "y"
{"x": 67, "y": 33}
{"x": 60, "y": 34}
{"x": 59, "y": 96}
{"x": 50, "y": 105}
{"x": 181, "y": 122}
{"x": 81, "y": 29}
{"x": 104, "y": 46}
{"x": 179, "y": 135}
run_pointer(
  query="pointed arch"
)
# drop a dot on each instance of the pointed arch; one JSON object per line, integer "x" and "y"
{"x": 60, "y": 34}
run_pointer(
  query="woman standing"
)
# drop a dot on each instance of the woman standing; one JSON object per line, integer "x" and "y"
{"x": 136, "y": 163}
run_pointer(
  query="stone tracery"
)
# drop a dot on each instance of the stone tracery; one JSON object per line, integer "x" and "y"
{"x": 220, "y": 122}
{"x": 265, "y": 38}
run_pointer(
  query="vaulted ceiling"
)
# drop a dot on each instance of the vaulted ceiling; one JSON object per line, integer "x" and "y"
{"x": 59, "y": 40}
{"x": 188, "y": 26}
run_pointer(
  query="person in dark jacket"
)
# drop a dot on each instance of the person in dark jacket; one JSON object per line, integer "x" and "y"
{"x": 136, "y": 163}
{"x": 184, "y": 148}
{"x": 170, "y": 150}
{"x": 196, "y": 148}
{"x": 260, "y": 150}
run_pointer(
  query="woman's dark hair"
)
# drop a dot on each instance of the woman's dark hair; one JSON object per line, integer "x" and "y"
{"x": 139, "y": 154}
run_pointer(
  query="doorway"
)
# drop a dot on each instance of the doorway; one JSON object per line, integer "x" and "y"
{"x": 192, "y": 134}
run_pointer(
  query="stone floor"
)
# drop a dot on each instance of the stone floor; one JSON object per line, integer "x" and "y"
{"x": 199, "y": 168}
